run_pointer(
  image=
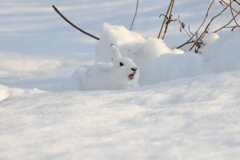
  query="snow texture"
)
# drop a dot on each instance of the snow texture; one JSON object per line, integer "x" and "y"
{"x": 186, "y": 107}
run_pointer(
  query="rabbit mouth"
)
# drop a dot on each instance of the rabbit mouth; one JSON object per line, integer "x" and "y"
{"x": 131, "y": 76}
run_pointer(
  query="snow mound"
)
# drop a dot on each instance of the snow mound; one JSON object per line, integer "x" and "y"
{"x": 224, "y": 54}
{"x": 132, "y": 45}
{"x": 159, "y": 63}
{"x": 6, "y": 92}
{"x": 169, "y": 67}
{"x": 219, "y": 55}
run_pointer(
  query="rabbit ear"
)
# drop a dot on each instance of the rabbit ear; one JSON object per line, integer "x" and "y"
{"x": 116, "y": 52}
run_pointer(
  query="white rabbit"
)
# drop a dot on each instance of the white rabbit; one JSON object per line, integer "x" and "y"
{"x": 123, "y": 73}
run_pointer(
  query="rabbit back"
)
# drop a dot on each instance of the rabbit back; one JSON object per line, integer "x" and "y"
{"x": 96, "y": 77}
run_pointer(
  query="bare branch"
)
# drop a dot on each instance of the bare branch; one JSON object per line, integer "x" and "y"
{"x": 204, "y": 19}
{"x": 207, "y": 27}
{"x": 169, "y": 19}
{"x": 230, "y": 6}
{"x": 225, "y": 26}
{"x": 195, "y": 34}
{"x": 236, "y": 2}
{"x": 198, "y": 42}
{"x": 189, "y": 30}
{"x": 74, "y": 24}
{"x": 182, "y": 26}
{"x": 233, "y": 14}
{"x": 165, "y": 19}
{"x": 134, "y": 15}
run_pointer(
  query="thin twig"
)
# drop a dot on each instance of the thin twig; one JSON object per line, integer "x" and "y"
{"x": 236, "y": 2}
{"x": 193, "y": 35}
{"x": 207, "y": 27}
{"x": 204, "y": 18}
{"x": 169, "y": 20}
{"x": 165, "y": 19}
{"x": 189, "y": 30}
{"x": 134, "y": 15}
{"x": 182, "y": 26}
{"x": 225, "y": 26}
{"x": 199, "y": 40}
{"x": 188, "y": 42}
{"x": 74, "y": 24}
{"x": 230, "y": 6}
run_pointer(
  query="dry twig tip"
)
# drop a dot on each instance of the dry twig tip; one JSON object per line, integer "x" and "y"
{"x": 74, "y": 24}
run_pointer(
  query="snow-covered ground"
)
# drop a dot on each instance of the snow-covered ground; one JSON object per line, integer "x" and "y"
{"x": 187, "y": 106}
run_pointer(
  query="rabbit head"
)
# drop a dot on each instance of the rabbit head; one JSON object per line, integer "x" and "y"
{"x": 125, "y": 71}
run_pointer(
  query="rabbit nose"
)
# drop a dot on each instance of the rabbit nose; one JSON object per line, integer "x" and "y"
{"x": 134, "y": 69}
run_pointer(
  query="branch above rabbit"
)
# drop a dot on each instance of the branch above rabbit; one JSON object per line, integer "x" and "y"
{"x": 122, "y": 73}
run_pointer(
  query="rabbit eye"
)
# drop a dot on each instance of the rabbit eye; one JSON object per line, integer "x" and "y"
{"x": 121, "y": 64}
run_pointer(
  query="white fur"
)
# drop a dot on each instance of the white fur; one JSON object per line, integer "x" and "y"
{"x": 111, "y": 76}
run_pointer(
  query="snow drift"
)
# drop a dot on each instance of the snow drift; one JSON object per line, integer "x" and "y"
{"x": 6, "y": 92}
{"x": 159, "y": 63}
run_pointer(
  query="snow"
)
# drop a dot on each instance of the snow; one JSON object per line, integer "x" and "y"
{"x": 132, "y": 45}
{"x": 186, "y": 107}
{"x": 223, "y": 54}
{"x": 194, "y": 118}
{"x": 208, "y": 40}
